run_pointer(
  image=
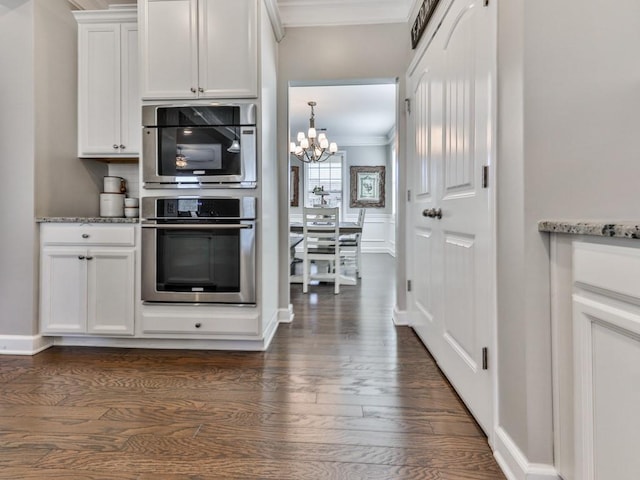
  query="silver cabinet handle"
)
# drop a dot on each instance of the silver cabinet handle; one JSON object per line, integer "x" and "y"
{"x": 201, "y": 90}
{"x": 115, "y": 147}
{"x": 85, "y": 235}
{"x": 89, "y": 258}
{"x": 81, "y": 257}
{"x": 193, "y": 90}
{"x": 198, "y": 325}
{"x": 122, "y": 147}
{"x": 432, "y": 213}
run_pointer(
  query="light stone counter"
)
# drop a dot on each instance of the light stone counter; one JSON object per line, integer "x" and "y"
{"x": 620, "y": 229}
{"x": 86, "y": 220}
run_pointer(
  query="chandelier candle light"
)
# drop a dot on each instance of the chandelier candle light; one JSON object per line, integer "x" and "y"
{"x": 314, "y": 148}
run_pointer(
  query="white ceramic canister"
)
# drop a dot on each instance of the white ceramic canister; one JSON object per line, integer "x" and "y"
{"x": 131, "y": 212}
{"x": 112, "y": 204}
{"x": 131, "y": 202}
{"x": 114, "y": 185}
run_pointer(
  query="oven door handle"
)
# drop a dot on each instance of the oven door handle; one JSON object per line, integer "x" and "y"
{"x": 191, "y": 226}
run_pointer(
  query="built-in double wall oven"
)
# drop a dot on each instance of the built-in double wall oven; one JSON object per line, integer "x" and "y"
{"x": 199, "y": 146}
{"x": 199, "y": 249}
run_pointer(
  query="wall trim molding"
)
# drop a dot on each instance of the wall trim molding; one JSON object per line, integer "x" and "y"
{"x": 400, "y": 317}
{"x": 515, "y": 465}
{"x": 24, "y": 344}
{"x": 286, "y": 315}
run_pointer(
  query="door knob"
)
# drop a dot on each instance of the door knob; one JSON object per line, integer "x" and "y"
{"x": 432, "y": 213}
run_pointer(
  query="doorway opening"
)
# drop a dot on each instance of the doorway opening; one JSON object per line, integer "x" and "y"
{"x": 360, "y": 116}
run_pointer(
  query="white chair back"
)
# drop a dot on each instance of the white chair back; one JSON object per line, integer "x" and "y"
{"x": 320, "y": 231}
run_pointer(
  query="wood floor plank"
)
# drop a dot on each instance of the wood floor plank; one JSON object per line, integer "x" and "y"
{"x": 236, "y": 468}
{"x": 341, "y": 394}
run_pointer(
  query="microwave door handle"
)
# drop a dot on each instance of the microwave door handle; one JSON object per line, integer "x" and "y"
{"x": 191, "y": 226}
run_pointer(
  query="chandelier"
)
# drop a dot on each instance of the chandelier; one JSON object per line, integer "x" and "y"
{"x": 315, "y": 148}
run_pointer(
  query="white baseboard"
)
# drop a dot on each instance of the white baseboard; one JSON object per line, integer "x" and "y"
{"x": 285, "y": 315}
{"x": 515, "y": 465}
{"x": 24, "y": 344}
{"x": 400, "y": 317}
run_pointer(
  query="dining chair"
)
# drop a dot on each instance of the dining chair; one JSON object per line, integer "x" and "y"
{"x": 350, "y": 247}
{"x": 320, "y": 242}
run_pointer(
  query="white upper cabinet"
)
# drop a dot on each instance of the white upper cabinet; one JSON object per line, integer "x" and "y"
{"x": 108, "y": 94}
{"x": 199, "y": 49}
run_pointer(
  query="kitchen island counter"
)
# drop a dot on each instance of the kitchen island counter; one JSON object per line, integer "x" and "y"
{"x": 620, "y": 229}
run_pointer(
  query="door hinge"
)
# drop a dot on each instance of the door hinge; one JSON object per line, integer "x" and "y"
{"x": 485, "y": 358}
{"x": 407, "y": 103}
{"x": 408, "y": 195}
{"x": 485, "y": 176}
{"x": 408, "y": 285}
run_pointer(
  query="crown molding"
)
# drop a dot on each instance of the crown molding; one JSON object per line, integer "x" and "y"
{"x": 276, "y": 20}
{"x": 90, "y": 4}
{"x": 310, "y": 13}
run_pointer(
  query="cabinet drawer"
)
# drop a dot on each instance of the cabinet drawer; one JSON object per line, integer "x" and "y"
{"x": 199, "y": 321}
{"x": 608, "y": 267}
{"x": 87, "y": 234}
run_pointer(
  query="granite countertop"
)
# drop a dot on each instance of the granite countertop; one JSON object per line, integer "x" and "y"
{"x": 621, "y": 229}
{"x": 87, "y": 220}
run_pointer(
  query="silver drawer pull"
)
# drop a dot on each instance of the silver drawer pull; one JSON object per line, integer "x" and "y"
{"x": 85, "y": 235}
{"x": 89, "y": 258}
{"x": 81, "y": 257}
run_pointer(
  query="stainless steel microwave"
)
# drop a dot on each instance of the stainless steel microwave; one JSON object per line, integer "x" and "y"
{"x": 199, "y": 146}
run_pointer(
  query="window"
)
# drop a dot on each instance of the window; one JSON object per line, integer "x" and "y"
{"x": 323, "y": 182}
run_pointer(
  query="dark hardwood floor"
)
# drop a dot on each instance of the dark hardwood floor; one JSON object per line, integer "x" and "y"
{"x": 341, "y": 394}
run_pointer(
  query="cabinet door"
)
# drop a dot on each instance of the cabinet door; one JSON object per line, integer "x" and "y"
{"x": 99, "y": 89}
{"x": 607, "y": 369}
{"x": 169, "y": 39}
{"x": 111, "y": 291}
{"x": 228, "y": 48}
{"x": 131, "y": 123}
{"x": 63, "y": 290}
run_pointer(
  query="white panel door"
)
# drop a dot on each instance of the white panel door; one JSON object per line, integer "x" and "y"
{"x": 111, "y": 291}
{"x": 99, "y": 89}
{"x": 228, "y": 55}
{"x": 169, "y": 36}
{"x": 452, "y": 126}
{"x": 425, "y": 263}
{"x": 63, "y": 290}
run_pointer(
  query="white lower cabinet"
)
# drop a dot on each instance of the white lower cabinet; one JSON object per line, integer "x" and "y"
{"x": 606, "y": 329}
{"x": 597, "y": 358}
{"x": 87, "y": 286}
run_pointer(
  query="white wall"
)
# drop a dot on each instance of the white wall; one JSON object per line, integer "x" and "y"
{"x": 18, "y": 237}
{"x": 367, "y": 155}
{"x": 312, "y": 54}
{"x": 569, "y": 93}
{"x": 65, "y": 185}
{"x": 37, "y": 135}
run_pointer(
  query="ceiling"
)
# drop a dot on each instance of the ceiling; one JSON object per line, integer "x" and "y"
{"x": 351, "y": 114}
